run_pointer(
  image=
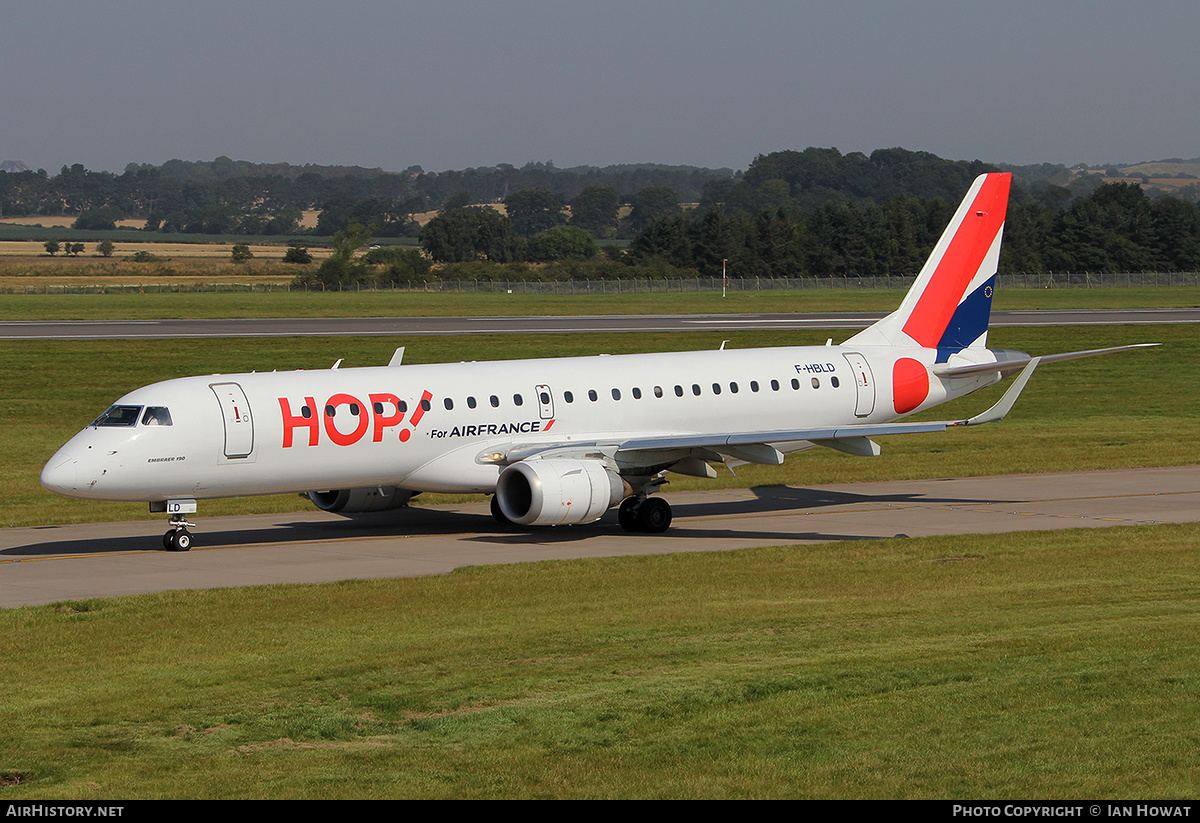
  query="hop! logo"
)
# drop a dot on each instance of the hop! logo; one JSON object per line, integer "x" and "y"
{"x": 382, "y": 413}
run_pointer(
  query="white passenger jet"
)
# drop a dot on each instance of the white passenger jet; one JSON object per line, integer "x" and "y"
{"x": 562, "y": 440}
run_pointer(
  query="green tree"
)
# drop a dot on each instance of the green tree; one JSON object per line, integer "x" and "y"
{"x": 650, "y": 204}
{"x": 105, "y": 248}
{"x": 458, "y": 200}
{"x": 562, "y": 243}
{"x": 102, "y": 219}
{"x": 595, "y": 209}
{"x": 52, "y": 247}
{"x": 399, "y": 265}
{"x": 534, "y": 210}
{"x": 340, "y": 268}
{"x": 241, "y": 253}
{"x": 350, "y": 240}
{"x": 297, "y": 254}
{"x": 471, "y": 233}
{"x": 74, "y": 249}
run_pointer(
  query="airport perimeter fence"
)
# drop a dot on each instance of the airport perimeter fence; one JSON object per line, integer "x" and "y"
{"x": 1073, "y": 280}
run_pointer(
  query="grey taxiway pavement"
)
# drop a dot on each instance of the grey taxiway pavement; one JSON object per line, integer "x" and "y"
{"x": 52, "y": 563}
{"x": 420, "y": 326}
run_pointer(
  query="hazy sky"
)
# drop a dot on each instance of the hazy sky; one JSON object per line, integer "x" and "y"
{"x": 449, "y": 84}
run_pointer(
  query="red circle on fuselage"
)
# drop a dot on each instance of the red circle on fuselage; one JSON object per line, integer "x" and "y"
{"x": 910, "y": 384}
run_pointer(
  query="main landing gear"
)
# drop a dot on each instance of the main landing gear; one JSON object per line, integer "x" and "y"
{"x": 647, "y": 514}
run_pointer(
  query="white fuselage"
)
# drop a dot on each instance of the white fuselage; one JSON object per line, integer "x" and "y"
{"x": 301, "y": 431}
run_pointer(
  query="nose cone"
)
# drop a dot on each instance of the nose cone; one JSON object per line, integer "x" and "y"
{"x": 60, "y": 474}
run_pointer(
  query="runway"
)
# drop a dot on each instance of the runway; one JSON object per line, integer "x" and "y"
{"x": 183, "y": 328}
{"x": 51, "y": 563}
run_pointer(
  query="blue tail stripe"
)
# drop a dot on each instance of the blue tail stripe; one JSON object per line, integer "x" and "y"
{"x": 969, "y": 321}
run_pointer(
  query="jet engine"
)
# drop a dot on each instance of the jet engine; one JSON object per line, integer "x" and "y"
{"x": 350, "y": 501}
{"x": 558, "y": 491}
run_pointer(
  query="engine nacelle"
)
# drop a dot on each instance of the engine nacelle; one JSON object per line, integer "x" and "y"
{"x": 557, "y": 491}
{"x": 349, "y": 501}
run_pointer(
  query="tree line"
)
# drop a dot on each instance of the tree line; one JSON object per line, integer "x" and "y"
{"x": 231, "y": 197}
{"x": 815, "y": 212}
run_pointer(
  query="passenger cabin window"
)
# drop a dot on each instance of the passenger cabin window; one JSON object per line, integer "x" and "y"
{"x": 495, "y": 401}
{"x": 716, "y": 388}
{"x": 733, "y": 388}
{"x": 816, "y": 383}
{"x": 119, "y": 416}
{"x": 795, "y": 383}
{"x": 774, "y": 385}
{"x": 517, "y": 400}
{"x": 424, "y": 404}
{"x": 679, "y": 391}
{"x": 696, "y": 389}
{"x": 544, "y": 398}
{"x": 833, "y": 381}
{"x": 658, "y": 392}
{"x": 448, "y": 403}
{"x": 616, "y": 393}
{"x": 753, "y": 385}
{"x": 470, "y": 402}
{"x": 592, "y": 395}
{"x": 569, "y": 396}
{"x": 637, "y": 393}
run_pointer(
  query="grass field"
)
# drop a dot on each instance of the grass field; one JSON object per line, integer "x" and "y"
{"x": 134, "y": 306}
{"x": 1033, "y": 665}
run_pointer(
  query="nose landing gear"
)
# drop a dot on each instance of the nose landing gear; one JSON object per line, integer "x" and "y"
{"x": 177, "y": 538}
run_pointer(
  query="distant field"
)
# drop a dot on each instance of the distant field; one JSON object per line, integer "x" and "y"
{"x": 31, "y": 251}
{"x": 65, "y": 220}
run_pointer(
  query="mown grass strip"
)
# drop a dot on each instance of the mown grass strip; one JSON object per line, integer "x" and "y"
{"x": 416, "y": 304}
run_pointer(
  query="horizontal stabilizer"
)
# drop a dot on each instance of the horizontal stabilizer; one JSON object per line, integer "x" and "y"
{"x": 946, "y": 370}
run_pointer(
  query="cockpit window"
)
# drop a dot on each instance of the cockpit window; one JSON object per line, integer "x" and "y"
{"x": 156, "y": 416}
{"x": 119, "y": 416}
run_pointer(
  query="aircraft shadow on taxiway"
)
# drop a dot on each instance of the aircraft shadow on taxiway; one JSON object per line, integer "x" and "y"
{"x": 418, "y": 521}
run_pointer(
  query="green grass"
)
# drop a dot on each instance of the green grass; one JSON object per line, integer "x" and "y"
{"x": 1033, "y": 665}
{"x": 412, "y": 304}
{"x": 1126, "y": 410}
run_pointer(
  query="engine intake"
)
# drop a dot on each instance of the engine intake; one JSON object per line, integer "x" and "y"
{"x": 557, "y": 491}
{"x": 351, "y": 501}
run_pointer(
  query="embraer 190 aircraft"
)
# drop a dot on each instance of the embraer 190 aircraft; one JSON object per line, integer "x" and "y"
{"x": 560, "y": 440}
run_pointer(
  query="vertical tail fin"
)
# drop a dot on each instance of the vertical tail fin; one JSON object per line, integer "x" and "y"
{"x": 949, "y": 305}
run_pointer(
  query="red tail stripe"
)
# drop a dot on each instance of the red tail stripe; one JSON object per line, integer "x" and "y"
{"x": 961, "y": 261}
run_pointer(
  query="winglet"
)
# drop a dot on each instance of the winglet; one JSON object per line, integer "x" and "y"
{"x": 1005, "y": 404}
